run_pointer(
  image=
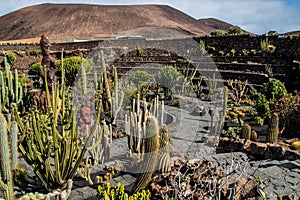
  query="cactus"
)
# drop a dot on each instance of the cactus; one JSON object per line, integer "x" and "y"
{"x": 212, "y": 84}
{"x": 149, "y": 162}
{"x": 54, "y": 135}
{"x": 11, "y": 89}
{"x": 14, "y": 145}
{"x": 239, "y": 89}
{"x": 116, "y": 102}
{"x": 254, "y": 136}
{"x": 273, "y": 129}
{"x": 246, "y": 132}
{"x": 164, "y": 159}
{"x": 221, "y": 119}
{"x": 6, "y": 180}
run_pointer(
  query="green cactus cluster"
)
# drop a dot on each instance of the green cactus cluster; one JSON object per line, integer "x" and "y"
{"x": 149, "y": 162}
{"x": 246, "y": 132}
{"x": 148, "y": 144}
{"x": 105, "y": 191}
{"x": 11, "y": 89}
{"x": 49, "y": 141}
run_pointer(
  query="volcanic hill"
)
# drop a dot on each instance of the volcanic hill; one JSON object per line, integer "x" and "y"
{"x": 66, "y": 22}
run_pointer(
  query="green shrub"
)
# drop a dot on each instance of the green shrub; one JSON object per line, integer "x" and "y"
{"x": 219, "y": 33}
{"x": 35, "y": 68}
{"x": 274, "y": 89}
{"x": 262, "y": 105}
{"x": 35, "y": 53}
{"x": 140, "y": 78}
{"x": 11, "y": 58}
{"x": 167, "y": 77}
{"x": 129, "y": 94}
{"x": 235, "y": 30}
{"x": 71, "y": 66}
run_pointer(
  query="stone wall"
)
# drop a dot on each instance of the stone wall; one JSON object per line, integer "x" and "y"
{"x": 283, "y": 63}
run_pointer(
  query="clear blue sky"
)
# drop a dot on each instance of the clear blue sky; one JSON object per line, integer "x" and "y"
{"x": 257, "y": 16}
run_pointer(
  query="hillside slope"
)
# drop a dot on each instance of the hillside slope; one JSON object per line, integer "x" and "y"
{"x": 64, "y": 22}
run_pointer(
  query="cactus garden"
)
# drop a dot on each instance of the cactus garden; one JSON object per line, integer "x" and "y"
{"x": 123, "y": 124}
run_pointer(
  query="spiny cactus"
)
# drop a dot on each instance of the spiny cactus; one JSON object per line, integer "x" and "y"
{"x": 246, "y": 132}
{"x": 54, "y": 135}
{"x": 273, "y": 129}
{"x": 221, "y": 118}
{"x": 116, "y": 102}
{"x": 239, "y": 89}
{"x": 149, "y": 162}
{"x": 11, "y": 89}
{"x": 14, "y": 145}
{"x": 6, "y": 179}
{"x": 164, "y": 159}
{"x": 212, "y": 84}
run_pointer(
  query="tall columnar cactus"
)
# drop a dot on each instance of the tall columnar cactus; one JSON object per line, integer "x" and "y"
{"x": 14, "y": 145}
{"x": 149, "y": 162}
{"x": 212, "y": 84}
{"x": 246, "y": 132}
{"x": 50, "y": 141}
{"x": 11, "y": 89}
{"x": 116, "y": 101}
{"x": 273, "y": 129}
{"x": 164, "y": 159}
{"x": 221, "y": 119}
{"x": 6, "y": 179}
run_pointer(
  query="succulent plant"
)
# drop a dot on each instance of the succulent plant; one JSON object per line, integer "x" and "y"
{"x": 6, "y": 178}
{"x": 151, "y": 146}
{"x": 273, "y": 129}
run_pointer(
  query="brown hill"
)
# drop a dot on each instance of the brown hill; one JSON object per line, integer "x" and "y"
{"x": 211, "y": 24}
{"x": 64, "y": 22}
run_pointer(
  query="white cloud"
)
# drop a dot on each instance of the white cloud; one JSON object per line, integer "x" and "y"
{"x": 253, "y": 15}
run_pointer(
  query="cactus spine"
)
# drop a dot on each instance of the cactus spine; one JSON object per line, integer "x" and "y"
{"x": 150, "y": 155}
{"x": 246, "y": 132}
{"x": 6, "y": 180}
{"x": 273, "y": 129}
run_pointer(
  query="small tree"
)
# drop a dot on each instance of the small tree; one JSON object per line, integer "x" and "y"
{"x": 167, "y": 77}
{"x": 140, "y": 78}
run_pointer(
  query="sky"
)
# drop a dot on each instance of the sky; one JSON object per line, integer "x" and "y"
{"x": 256, "y": 16}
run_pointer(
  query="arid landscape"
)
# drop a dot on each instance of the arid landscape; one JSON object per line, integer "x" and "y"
{"x": 145, "y": 102}
{"x": 91, "y": 22}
